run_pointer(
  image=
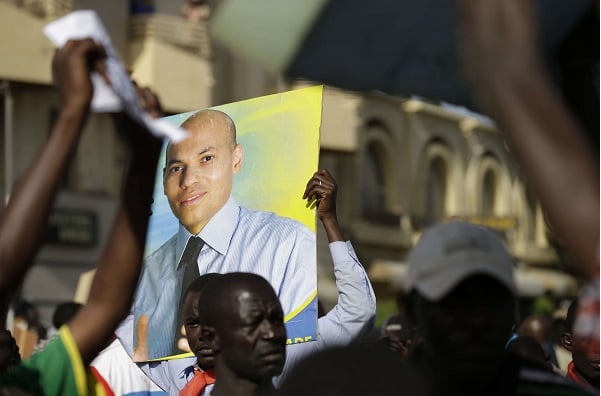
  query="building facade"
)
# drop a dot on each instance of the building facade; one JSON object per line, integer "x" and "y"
{"x": 401, "y": 164}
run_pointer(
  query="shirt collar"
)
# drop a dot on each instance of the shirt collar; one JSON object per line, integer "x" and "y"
{"x": 189, "y": 371}
{"x": 217, "y": 233}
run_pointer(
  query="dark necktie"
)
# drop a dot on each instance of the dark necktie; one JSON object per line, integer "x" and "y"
{"x": 189, "y": 266}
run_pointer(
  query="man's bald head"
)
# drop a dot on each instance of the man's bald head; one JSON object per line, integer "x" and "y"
{"x": 221, "y": 293}
{"x": 212, "y": 118}
{"x": 536, "y": 326}
{"x": 243, "y": 321}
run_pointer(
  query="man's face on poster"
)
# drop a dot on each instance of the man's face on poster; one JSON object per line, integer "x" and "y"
{"x": 199, "y": 171}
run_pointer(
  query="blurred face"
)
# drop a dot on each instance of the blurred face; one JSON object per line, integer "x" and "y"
{"x": 586, "y": 362}
{"x": 253, "y": 336}
{"x": 400, "y": 338}
{"x": 469, "y": 327}
{"x": 198, "y": 346}
{"x": 9, "y": 351}
{"x": 199, "y": 171}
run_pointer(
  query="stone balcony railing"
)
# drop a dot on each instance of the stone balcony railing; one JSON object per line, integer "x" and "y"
{"x": 45, "y": 9}
{"x": 172, "y": 29}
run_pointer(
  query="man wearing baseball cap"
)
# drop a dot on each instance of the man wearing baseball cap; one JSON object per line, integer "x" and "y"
{"x": 461, "y": 297}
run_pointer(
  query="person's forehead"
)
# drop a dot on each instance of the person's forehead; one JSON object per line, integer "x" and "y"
{"x": 254, "y": 294}
{"x": 196, "y": 144}
{"x": 476, "y": 289}
{"x": 481, "y": 284}
{"x": 206, "y": 121}
{"x": 191, "y": 300}
{"x": 5, "y": 336}
{"x": 202, "y": 132}
{"x": 250, "y": 298}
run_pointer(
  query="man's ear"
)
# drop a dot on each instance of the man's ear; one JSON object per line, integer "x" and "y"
{"x": 209, "y": 334}
{"x": 237, "y": 158}
{"x": 165, "y": 167}
{"x": 164, "y": 173}
{"x": 566, "y": 341}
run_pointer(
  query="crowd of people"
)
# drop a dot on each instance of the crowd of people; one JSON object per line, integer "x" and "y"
{"x": 230, "y": 277}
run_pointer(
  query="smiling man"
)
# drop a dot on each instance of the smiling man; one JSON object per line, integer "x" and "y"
{"x": 243, "y": 322}
{"x": 199, "y": 172}
{"x": 197, "y": 181}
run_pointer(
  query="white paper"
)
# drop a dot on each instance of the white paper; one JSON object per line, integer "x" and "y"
{"x": 121, "y": 94}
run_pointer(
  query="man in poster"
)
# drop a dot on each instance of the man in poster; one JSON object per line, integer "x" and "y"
{"x": 197, "y": 181}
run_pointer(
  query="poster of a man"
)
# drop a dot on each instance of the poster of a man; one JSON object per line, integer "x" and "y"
{"x": 236, "y": 183}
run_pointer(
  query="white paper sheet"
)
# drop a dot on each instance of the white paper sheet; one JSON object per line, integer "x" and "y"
{"x": 121, "y": 94}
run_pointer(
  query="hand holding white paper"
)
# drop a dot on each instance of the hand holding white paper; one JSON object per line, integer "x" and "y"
{"x": 121, "y": 94}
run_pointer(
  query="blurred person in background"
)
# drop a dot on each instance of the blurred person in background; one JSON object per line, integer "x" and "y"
{"x": 560, "y": 326}
{"x": 502, "y": 61}
{"x": 399, "y": 335}
{"x": 196, "y": 10}
{"x": 584, "y": 367}
{"x": 9, "y": 351}
{"x": 28, "y": 318}
{"x": 540, "y": 327}
{"x": 461, "y": 296}
{"x": 529, "y": 348}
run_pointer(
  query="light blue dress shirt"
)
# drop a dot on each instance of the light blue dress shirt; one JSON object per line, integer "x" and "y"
{"x": 279, "y": 249}
{"x": 351, "y": 318}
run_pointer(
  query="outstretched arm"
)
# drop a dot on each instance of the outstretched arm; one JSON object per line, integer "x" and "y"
{"x": 117, "y": 273}
{"x": 22, "y": 223}
{"x": 355, "y": 310}
{"x": 321, "y": 191}
{"x": 502, "y": 61}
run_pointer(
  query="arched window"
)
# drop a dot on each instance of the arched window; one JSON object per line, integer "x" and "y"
{"x": 373, "y": 190}
{"x": 436, "y": 190}
{"x": 488, "y": 188}
{"x": 489, "y": 193}
{"x": 377, "y": 180}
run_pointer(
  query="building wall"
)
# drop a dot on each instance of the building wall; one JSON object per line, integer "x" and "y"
{"x": 400, "y": 164}
{"x": 416, "y": 164}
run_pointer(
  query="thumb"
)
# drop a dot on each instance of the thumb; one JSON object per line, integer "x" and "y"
{"x": 140, "y": 353}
